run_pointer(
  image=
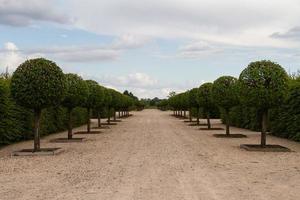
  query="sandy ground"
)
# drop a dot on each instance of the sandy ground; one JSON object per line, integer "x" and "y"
{"x": 153, "y": 156}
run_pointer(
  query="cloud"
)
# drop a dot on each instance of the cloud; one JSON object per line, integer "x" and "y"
{"x": 137, "y": 80}
{"x": 10, "y": 57}
{"x": 129, "y": 41}
{"x": 293, "y": 34}
{"x": 142, "y": 85}
{"x": 230, "y": 21}
{"x": 197, "y": 50}
{"x": 24, "y": 13}
{"x": 81, "y": 54}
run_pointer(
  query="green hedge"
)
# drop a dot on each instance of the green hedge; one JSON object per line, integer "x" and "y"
{"x": 16, "y": 123}
{"x": 283, "y": 121}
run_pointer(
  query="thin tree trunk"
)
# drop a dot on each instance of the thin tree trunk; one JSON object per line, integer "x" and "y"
{"x": 208, "y": 120}
{"x": 37, "y": 118}
{"x": 264, "y": 128}
{"x": 70, "y": 127}
{"x": 119, "y": 114}
{"x": 190, "y": 114}
{"x": 89, "y": 120}
{"x": 99, "y": 119}
{"x": 184, "y": 114}
{"x": 227, "y": 122}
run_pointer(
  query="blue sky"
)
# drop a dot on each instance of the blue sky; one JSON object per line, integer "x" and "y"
{"x": 150, "y": 47}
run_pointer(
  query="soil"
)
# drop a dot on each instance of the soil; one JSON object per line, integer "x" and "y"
{"x": 87, "y": 133}
{"x": 153, "y": 156}
{"x": 230, "y": 135}
{"x": 211, "y": 129}
{"x": 267, "y": 148}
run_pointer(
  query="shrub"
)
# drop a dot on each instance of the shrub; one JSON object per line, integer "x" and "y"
{"x": 263, "y": 85}
{"x": 225, "y": 95}
{"x": 38, "y": 84}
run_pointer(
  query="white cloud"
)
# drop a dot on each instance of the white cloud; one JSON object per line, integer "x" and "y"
{"x": 231, "y": 21}
{"x": 142, "y": 85}
{"x": 10, "y": 57}
{"x": 198, "y": 50}
{"x": 137, "y": 80}
{"x": 24, "y": 13}
{"x": 129, "y": 41}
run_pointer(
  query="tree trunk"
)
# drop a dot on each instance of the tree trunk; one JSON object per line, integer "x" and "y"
{"x": 119, "y": 114}
{"x": 190, "y": 114}
{"x": 198, "y": 120}
{"x": 264, "y": 128}
{"x": 89, "y": 120}
{"x": 99, "y": 119}
{"x": 70, "y": 127}
{"x": 227, "y": 122}
{"x": 37, "y": 118}
{"x": 184, "y": 113}
{"x": 208, "y": 120}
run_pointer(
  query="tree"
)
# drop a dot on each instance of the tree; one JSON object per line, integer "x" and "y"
{"x": 76, "y": 95}
{"x": 263, "y": 85}
{"x": 193, "y": 96}
{"x": 205, "y": 100}
{"x": 38, "y": 84}
{"x": 95, "y": 96}
{"x": 225, "y": 95}
{"x": 100, "y": 104}
{"x": 109, "y": 101}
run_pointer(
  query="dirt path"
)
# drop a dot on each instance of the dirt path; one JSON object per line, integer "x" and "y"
{"x": 153, "y": 156}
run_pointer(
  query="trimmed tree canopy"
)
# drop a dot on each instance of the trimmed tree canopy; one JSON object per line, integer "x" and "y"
{"x": 76, "y": 91}
{"x": 263, "y": 84}
{"x": 205, "y": 99}
{"x": 38, "y": 83}
{"x": 95, "y": 94}
{"x": 193, "y": 95}
{"x": 225, "y": 92}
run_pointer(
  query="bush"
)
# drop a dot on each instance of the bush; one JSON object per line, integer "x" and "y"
{"x": 263, "y": 85}
{"x": 283, "y": 120}
{"x": 16, "y": 122}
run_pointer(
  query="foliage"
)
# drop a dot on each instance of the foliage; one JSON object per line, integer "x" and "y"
{"x": 263, "y": 84}
{"x": 16, "y": 122}
{"x": 37, "y": 84}
{"x": 205, "y": 99}
{"x": 76, "y": 91}
{"x": 95, "y": 95}
{"x": 225, "y": 92}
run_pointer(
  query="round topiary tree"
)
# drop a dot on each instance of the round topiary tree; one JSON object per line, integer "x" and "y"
{"x": 225, "y": 95}
{"x": 205, "y": 100}
{"x": 107, "y": 102}
{"x": 194, "y": 103}
{"x": 263, "y": 85}
{"x": 99, "y": 102}
{"x": 76, "y": 94}
{"x": 38, "y": 84}
{"x": 95, "y": 96}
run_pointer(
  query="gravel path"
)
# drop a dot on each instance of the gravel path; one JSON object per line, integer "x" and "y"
{"x": 153, "y": 156}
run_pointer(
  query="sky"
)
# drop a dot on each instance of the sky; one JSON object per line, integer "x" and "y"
{"x": 150, "y": 47}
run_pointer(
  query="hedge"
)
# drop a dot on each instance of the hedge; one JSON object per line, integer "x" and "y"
{"x": 16, "y": 122}
{"x": 283, "y": 121}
